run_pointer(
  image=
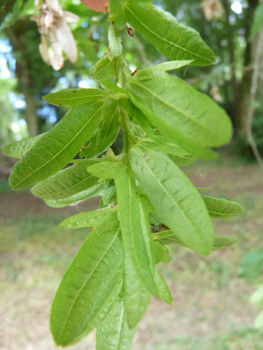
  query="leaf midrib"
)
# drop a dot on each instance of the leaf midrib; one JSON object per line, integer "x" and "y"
{"x": 168, "y": 41}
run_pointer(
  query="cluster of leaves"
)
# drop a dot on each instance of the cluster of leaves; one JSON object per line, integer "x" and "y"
{"x": 148, "y": 204}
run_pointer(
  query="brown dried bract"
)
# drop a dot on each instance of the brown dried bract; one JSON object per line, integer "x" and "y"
{"x": 130, "y": 31}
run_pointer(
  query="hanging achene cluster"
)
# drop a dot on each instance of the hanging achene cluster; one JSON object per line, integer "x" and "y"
{"x": 165, "y": 124}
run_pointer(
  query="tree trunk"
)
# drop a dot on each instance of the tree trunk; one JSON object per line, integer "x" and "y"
{"x": 243, "y": 104}
{"x": 16, "y": 35}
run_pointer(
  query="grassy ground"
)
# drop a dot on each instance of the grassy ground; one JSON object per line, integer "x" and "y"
{"x": 210, "y": 309}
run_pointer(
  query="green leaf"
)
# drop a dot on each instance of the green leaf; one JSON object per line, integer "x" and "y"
{"x": 20, "y": 148}
{"x": 168, "y": 238}
{"x": 257, "y": 21}
{"x": 172, "y": 39}
{"x": 102, "y": 69}
{"x": 135, "y": 228}
{"x": 104, "y": 136}
{"x": 181, "y": 157}
{"x": 175, "y": 200}
{"x": 154, "y": 220}
{"x": 57, "y": 147}
{"x": 109, "y": 195}
{"x": 107, "y": 84}
{"x": 176, "y": 153}
{"x": 115, "y": 41}
{"x": 221, "y": 208}
{"x": 91, "y": 218}
{"x": 75, "y": 97}
{"x": 223, "y": 242}
{"x": 139, "y": 118}
{"x": 164, "y": 67}
{"x": 66, "y": 183}
{"x": 167, "y": 256}
{"x": 182, "y": 160}
{"x": 250, "y": 266}
{"x": 114, "y": 333}
{"x": 158, "y": 252}
{"x": 136, "y": 295}
{"x": 76, "y": 198}
{"x": 116, "y": 13}
{"x": 187, "y": 117}
{"x": 90, "y": 287}
{"x": 164, "y": 291}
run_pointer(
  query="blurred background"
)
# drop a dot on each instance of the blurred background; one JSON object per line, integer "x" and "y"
{"x": 211, "y": 308}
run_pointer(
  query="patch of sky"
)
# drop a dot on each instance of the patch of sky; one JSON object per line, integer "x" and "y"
{"x": 84, "y": 25}
{"x": 232, "y": 19}
{"x": 48, "y": 113}
{"x": 95, "y": 36}
{"x": 63, "y": 82}
{"x": 7, "y": 62}
{"x": 87, "y": 83}
{"x": 17, "y": 101}
{"x": 237, "y": 7}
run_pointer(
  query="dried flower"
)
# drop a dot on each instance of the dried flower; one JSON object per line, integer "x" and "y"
{"x": 212, "y": 9}
{"x": 56, "y": 36}
{"x": 95, "y": 5}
